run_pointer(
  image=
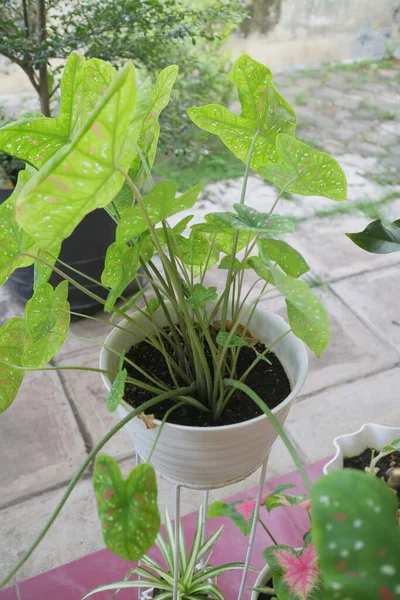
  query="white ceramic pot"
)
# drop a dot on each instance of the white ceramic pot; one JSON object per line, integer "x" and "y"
{"x": 210, "y": 457}
{"x": 353, "y": 444}
{"x": 262, "y": 579}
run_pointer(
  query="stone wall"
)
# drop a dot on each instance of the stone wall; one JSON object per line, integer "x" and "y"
{"x": 296, "y": 32}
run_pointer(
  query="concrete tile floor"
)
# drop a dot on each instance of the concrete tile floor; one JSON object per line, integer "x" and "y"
{"x": 57, "y": 419}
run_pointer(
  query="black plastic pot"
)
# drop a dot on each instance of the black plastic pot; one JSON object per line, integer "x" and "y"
{"x": 84, "y": 250}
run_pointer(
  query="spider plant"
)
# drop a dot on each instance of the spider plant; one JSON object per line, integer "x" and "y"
{"x": 197, "y": 578}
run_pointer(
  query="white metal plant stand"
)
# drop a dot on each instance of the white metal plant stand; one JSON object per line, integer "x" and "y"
{"x": 177, "y": 516}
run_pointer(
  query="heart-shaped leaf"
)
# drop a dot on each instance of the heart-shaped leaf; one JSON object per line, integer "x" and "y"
{"x": 392, "y": 447}
{"x": 161, "y": 202}
{"x": 278, "y": 498}
{"x": 289, "y": 260}
{"x": 127, "y": 508}
{"x": 377, "y": 238}
{"x": 295, "y": 574}
{"x": 120, "y": 268}
{"x": 264, "y": 111}
{"x": 35, "y": 140}
{"x": 302, "y": 170}
{"x": 47, "y": 320}
{"x": 221, "y": 235}
{"x": 84, "y": 174}
{"x": 240, "y": 512}
{"x": 306, "y": 313}
{"x": 201, "y": 295}
{"x": 117, "y": 391}
{"x": 357, "y": 539}
{"x": 261, "y": 269}
{"x": 235, "y": 341}
{"x": 12, "y": 339}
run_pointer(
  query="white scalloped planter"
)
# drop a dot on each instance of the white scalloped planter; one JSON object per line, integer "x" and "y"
{"x": 353, "y": 444}
{"x": 210, "y": 457}
{"x": 262, "y": 579}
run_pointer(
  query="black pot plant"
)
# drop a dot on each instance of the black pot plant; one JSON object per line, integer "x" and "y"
{"x": 204, "y": 348}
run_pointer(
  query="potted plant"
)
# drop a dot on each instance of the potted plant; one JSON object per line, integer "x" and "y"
{"x": 197, "y": 579}
{"x": 188, "y": 367}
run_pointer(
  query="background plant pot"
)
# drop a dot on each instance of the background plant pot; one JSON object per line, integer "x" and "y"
{"x": 263, "y": 578}
{"x": 84, "y": 250}
{"x": 369, "y": 435}
{"x": 210, "y": 457}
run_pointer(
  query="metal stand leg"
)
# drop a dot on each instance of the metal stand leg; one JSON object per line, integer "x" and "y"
{"x": 205, "y": 510}
{"x": 253, "y": 529}
{"x": 176, "y": 550}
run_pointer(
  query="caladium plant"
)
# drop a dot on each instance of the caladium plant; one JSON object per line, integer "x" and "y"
{"x": 98, "y": 154}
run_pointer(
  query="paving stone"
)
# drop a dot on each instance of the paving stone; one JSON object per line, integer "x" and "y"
{"x": 333, "y": 254}
{"x": 317, "y": 420}
{"x": 40, "y": 443}
{"x": 88, "y": 395}
{"x": 353, "y": 351}
{"x": 375, "y": 298}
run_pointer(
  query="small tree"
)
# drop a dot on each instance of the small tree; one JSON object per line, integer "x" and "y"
{"x": 150, "y": 32}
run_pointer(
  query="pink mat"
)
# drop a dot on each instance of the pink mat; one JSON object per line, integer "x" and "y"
{"x": 71, "y": 581}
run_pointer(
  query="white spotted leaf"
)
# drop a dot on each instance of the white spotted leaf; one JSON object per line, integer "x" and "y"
{"x": 47, "y": 320}
{"x": 127, "y": 508}
{"x": 12, "y": 339}
{"x": 302, "y": 170}
{"x": 120, "y": 268}
{"x": 263, "y": 111}
{"x": 280, "y": 252}
{"x": 306, "y": 314}
{"x": 356, "y": 536}
{"x": 117, "y": 391}
{"x": 35, "y": 140}
{"x": 83, "y": 175}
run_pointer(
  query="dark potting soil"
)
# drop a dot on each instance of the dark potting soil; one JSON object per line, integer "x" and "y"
{"x": 384, "y": 464}
{"x": 269, "y": 381}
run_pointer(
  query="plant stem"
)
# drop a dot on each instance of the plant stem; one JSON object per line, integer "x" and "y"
{"x": 263, "y": 525}
{"x": 236, "y": 238}
{"x": 276, "y": 425}
{"x": 143, "y": 407}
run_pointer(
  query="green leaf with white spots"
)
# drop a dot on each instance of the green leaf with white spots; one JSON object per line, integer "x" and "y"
{"x": 83, "y": 175}
{"x": 378, "y": 238}
{"x": 249, "y": 219}
{"x": 14, "y": 241}
{"x": 127, "y": 508}
{"x": 120, "y": 268}
{"x": 47, "y": 320}
{"x": 12, "y": 339}
{"x": 260, "y": 268}
{"x": 302, "y": 170}
{"x": 35, "y": 140}
{"x": 42, "y": 272}
{"x": 356, "y": 536}
{"x": 160, "y": 202}
{"x": 150, "y": 129}
{"x": 201, "y": 295}
{"x": 195, "y": 249}
{"x": 289, "y": 260}
{"x": 264, "y": 111}
{"x": 221, "y": 235}
{"x": 306, "y": 313}
{"x": 97, "y": 76}
{"x": 117, "y": 391}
